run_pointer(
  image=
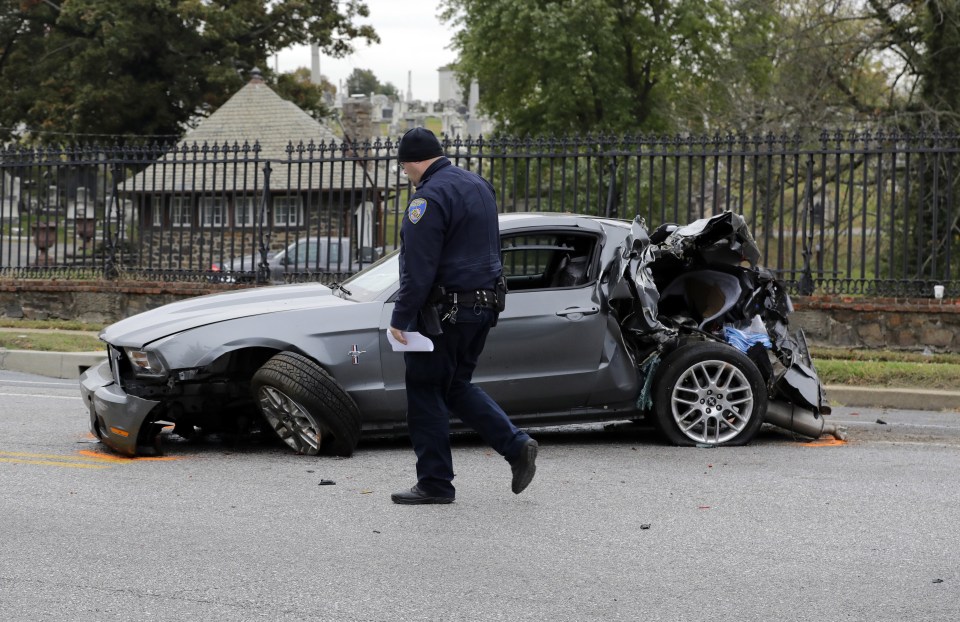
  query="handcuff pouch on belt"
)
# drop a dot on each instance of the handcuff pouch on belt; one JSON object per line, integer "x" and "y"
{"x": 429, "y": 314}
{"x": 500, "y": 291}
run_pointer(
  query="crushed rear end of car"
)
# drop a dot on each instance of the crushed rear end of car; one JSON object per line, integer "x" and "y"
{"x": 700, "y": 283}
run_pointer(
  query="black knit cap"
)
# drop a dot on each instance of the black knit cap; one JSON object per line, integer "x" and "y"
{"x": 417, "y": 145}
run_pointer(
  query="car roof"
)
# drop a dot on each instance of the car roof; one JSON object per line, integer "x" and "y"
{"x": 520, "y": 220}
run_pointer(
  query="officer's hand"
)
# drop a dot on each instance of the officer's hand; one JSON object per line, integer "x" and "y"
{"x": 398, "y": 335}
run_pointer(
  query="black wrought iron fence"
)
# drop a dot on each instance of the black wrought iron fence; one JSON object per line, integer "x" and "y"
{"x": 872, "y": 214}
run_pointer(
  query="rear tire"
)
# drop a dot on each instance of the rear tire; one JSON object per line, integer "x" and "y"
{"x": 305, "y": 406}
{"x": 709, "y": 393}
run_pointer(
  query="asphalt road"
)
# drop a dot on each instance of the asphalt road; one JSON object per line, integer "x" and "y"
{"x": 616, "y": 526}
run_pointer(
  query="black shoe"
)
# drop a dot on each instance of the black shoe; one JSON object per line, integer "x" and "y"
{"x": 415, "y": 496}
{"x": 524, "y": 467}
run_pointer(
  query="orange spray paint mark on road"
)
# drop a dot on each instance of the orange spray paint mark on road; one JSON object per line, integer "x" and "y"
{"x": 825, "y": 442}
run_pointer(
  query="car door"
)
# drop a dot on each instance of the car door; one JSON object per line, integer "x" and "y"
{"x": 546, "y": 351}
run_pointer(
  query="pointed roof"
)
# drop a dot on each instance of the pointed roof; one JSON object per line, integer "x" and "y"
{"x": 205, "y": 159}
{"x": 256, "y": 113}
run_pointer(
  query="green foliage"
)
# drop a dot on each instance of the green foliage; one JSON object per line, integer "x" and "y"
{"x": 886, "y": 368}
{"x": 146, "y": 67}
{"x": 883, "y": 356}
{"x": 297, "y": 87}
{"x": 941, "y": 89}
{"x": 50, "y": 342}
{"x": 364, "y": 82}
{"x": 881, "y": 374}
{"x": 547, "y": 67}
{"x": 50, "y": 325}
{"x": 826, "y": 68}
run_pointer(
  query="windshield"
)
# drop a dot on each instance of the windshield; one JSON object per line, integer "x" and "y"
{"x": 373, "y": 280}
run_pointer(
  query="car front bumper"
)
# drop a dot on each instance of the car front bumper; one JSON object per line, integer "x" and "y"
{"x": 115, "y": 416}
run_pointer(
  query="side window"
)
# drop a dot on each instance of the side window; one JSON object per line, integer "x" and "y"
{"x": 287, "y": 211}
{"x": 211, "y": 211}
{"x": 301, "y": 254}
{"x": 333, "y": 253}
{"x": 180, "y": 211}
{"x": 548, "y": 260}
{"x": 244, "y": 208}
{"x": 156, "y": 202}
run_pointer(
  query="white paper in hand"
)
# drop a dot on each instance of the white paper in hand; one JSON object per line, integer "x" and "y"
{"x": 415, "y": 342}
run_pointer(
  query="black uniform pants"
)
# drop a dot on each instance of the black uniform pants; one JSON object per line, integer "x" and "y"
{"x": 438, "y": 386}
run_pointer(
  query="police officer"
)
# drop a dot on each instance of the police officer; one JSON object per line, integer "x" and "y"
{"x": 449, "y": 270}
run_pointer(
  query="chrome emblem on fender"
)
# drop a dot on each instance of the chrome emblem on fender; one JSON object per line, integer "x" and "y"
{"x": 355, "y": 354}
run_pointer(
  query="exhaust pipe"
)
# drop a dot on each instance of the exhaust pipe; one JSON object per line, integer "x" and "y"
{"x": 802, "y": 421}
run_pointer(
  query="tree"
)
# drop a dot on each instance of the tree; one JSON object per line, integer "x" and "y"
{"x": 141, "y": 67}
{"x": 297, "y": 87}
{"x": 364, "y": 82}
{"x": 925, "y": 36}
{"x": 886, "y": 66}
{"x": 801, "y": 65}
{"x": 592, "y": 65}
{"x": 924, "y": 40}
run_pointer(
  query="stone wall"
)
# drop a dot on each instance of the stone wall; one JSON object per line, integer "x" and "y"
{"x": 95, "y": 302}
{"x": 888, "y": 323}
{"x": 187, "y": 248}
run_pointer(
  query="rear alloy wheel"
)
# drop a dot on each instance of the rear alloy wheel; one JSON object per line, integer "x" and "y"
{"x": 709, "y": 394}
{"x": 305, "y": 406}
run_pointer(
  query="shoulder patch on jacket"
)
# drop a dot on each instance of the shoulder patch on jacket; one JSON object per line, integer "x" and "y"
{"x": 416, "y": 209}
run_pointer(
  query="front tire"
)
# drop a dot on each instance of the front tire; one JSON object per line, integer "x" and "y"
{"x": 305, "y": 406}
{"x": 709, "y": 393}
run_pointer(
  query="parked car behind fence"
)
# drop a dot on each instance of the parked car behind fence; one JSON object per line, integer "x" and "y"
{"x": 301, "y": 258}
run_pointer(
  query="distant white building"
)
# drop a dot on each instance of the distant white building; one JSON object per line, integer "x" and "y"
{"x": 449, "y": 86}
{"x": 453, "y": 114}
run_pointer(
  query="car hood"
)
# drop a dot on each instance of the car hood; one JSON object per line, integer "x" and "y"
{"x": 177, "y": 317}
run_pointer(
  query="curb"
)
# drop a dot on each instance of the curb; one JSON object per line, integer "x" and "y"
{"x": 51, "y": 364}
{"x": 882, "y": 397}
{"x": 70, "y": 365}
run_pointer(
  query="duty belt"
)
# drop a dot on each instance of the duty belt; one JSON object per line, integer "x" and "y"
{"x": 472, "y": 298}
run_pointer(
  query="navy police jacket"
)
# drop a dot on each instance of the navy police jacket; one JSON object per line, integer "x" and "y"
{"x": 450, "y": 237}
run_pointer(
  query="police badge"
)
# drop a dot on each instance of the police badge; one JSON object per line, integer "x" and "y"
{"x": 416, "y": 210}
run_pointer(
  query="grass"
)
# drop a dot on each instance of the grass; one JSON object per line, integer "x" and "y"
{"x": 886, "y": 368}
{"x": 50, "y": 335}
{"x": 943, "y": 376}
{"x": 50, "y": 325}
{"x": 52, "y": 341}
{"x": 882, "y": 356}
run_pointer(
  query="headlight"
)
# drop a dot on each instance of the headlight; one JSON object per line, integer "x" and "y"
{"x": 145, "y": 363}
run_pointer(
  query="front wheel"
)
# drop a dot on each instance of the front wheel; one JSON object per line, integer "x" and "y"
{"x": 305, "y": 406}
{"x": 709, "y": 393}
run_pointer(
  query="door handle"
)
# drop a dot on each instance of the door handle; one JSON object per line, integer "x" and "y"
{"x": 581, "y": 311}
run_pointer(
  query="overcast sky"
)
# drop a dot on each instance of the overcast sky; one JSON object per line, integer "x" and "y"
{"x": 412, "y": 39}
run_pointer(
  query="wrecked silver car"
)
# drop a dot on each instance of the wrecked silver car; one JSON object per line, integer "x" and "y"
{"x": 603, "y": 321}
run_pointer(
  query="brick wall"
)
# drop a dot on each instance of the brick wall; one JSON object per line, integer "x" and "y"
{"x": 890, "y": 323}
